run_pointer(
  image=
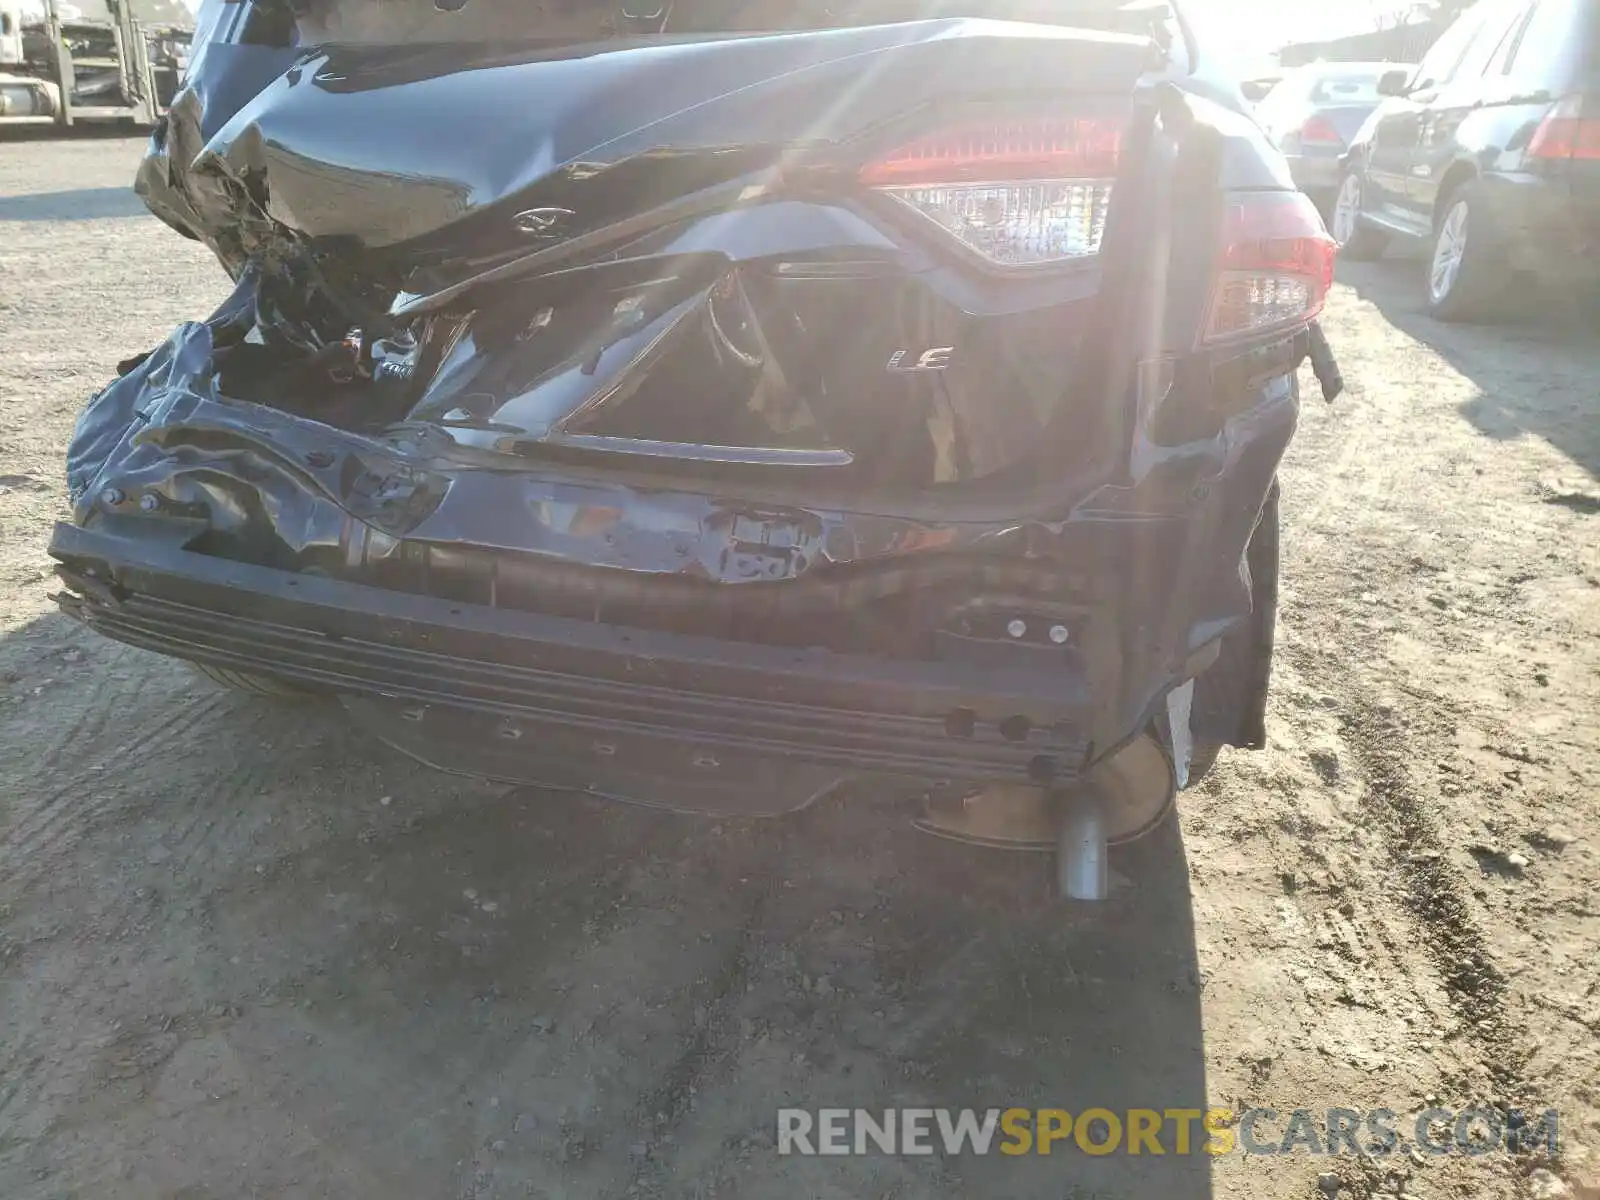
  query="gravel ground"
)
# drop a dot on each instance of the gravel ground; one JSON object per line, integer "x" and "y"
{"x": 243, "y": 951}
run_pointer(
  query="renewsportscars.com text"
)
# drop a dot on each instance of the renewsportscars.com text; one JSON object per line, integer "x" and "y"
{"x": 1153, "y": 1131}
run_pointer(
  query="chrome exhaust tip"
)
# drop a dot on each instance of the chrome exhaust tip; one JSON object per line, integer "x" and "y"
{"x": 1082, "y": 869}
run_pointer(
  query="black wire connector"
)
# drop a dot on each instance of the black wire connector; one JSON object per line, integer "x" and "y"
{"x": 1323, "y": 364}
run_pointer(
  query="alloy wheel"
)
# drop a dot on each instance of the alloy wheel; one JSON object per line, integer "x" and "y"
{"x": 1448, "y": 252}
{"x": 1346, "y": 209}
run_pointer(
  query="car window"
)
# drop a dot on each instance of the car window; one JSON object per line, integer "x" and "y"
{"x": 1506, "y": 52}
{"x": 1545, "y": 52}
{"x": 1346, "y": 89}
{"x": 1500, "y": 19}
{"x": 1438, "y": 66}
{"x": 1591, "y": 39}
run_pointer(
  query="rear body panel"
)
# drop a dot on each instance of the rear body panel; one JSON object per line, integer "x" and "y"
{"x": 699, "y": 454}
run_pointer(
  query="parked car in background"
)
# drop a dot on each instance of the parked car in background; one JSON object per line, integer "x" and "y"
{"x": 1313, "y": 113}
{"x": 1489, "y": 152}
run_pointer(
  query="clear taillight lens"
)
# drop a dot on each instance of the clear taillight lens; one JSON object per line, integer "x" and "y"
{"x": 1019, "y": 193}
{"x": 1276, "y": 265}
{"x": 1014, "y": 224}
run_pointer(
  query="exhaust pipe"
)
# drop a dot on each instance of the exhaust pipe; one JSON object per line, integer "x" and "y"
{"x": 1082, "y": 871}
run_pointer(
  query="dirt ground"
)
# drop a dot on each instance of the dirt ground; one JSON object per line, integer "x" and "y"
{"x": 246, "y": 952}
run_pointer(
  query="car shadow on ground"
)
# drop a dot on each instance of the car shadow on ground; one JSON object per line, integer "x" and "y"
{"x": 1522, "y": 366}
{"x": 276, "y": 952}
{"x": 78, "y": 204}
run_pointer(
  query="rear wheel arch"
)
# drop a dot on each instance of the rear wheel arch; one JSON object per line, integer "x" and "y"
{"x": 1457, "y": 177}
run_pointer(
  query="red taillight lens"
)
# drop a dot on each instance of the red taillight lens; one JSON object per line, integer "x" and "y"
{"x": 1018, "y": 192}
{"x": 1319, "y": 131}
{"x": 1276, "y": 265}
{"x": 1566, "y": 133}
{"x": 989, "y": 152}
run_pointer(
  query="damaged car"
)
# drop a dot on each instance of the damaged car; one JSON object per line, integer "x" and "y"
{"x": 711, "y": 406}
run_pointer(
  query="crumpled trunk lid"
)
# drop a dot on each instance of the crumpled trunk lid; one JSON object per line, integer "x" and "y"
{"x": 417, "y": 155}
{"x": 652, "y": 251}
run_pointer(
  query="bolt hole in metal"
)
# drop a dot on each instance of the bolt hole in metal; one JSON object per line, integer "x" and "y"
{"x": 1017, "y": 628}
{"x": 1016, "y": 729}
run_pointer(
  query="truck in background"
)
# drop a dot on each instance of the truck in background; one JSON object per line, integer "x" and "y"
{"x": 61, "y": 65}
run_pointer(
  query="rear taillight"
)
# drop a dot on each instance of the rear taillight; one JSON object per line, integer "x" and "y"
{"x": 1276, "y": 265}
{"x": 1019, "y": 193}
{"x": 1565, "y": 133}
{"x": 1319, "y": 131}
